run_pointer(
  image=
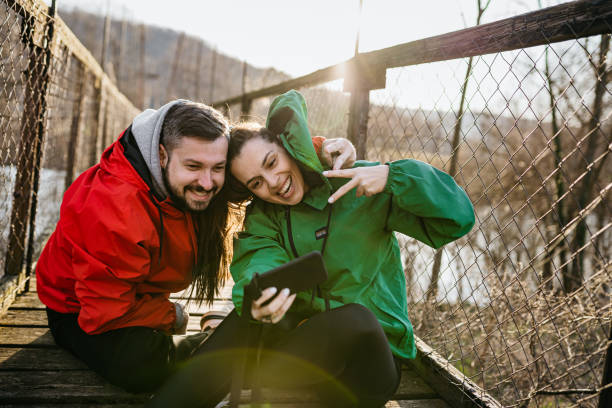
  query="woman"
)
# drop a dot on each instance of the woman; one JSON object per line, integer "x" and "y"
{"x": 347, "y": 354}
{"x": 298, "y": 208}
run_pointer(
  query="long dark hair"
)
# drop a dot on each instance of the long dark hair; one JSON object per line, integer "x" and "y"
{"x": 214, "y": 255}
{"x": 196, "y": 120}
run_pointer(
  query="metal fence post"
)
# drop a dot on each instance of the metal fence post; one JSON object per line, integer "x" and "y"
{"x": 32, "y": 140}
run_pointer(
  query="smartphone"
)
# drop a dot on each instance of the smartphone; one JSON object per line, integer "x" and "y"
{"x": 298, "y": 275}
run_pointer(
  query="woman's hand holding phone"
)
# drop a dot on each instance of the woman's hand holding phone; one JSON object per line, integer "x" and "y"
{"x": 270, "y": 309}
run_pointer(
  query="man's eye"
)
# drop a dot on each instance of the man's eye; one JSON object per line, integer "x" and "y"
{"x": 255, "y": 185}
{"x": 193, "y": 167}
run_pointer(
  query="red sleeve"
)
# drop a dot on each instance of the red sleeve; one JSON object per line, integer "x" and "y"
{"x": 317, "y": 142}
{"x": 110, "y": 258}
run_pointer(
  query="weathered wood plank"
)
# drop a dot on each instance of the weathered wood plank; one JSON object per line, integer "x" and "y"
{"x": 10, "y": 287}
{"x": 220, "y": 305}
{"x": 13, "y": 358}
{"x": 546, "y": 26}
{"x": 567, "y": 21}
{"x": 425, "y": 403}
{"x": 28, "y": 300}
{"x": 26, "y": 337}
{"x": 87, "y": 405}
{"x": 412, "y": 386}
{"x": 450, "y": 383}
{"x": 224, "y": 294}
{"x": 60, "y": 386}
{"x": 32, "y": 318}
{"x": 391, "y": 404}
{"x": 38, "y": 317}
{"x": 83, "y": 386}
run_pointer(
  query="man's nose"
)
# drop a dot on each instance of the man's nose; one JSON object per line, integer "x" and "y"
{"x": 205, "y": 180}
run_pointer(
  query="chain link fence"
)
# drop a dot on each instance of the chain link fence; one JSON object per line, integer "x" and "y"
{"x": 58, "y": 110}
{"x": 521, "y": 305}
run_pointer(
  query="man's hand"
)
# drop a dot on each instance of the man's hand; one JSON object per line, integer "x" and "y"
{"x": 368, "y": 180}
{"x": 182, "y": 319}
{"x": 274, "y": 311}
{"x": 338, "y": 153}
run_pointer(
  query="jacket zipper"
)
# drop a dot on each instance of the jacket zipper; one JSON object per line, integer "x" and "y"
{"x": 288, "y": 218}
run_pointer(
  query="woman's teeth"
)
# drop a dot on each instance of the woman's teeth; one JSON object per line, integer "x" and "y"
{"x": 286, "y": 187}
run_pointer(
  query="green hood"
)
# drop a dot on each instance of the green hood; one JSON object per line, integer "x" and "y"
{"x": 288, "y": 117}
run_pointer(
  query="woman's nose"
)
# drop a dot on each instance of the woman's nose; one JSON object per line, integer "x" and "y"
{"x": 273, "y": 181}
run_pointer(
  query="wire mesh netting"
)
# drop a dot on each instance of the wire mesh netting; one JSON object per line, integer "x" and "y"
{"x": 521, "y": 305}
{"x": 57, "y": 114}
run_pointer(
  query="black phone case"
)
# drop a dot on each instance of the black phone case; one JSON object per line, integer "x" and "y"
{"x": 300, "y": 274}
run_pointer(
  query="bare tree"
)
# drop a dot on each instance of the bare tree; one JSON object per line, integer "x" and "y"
{"x": 432, "y": 292}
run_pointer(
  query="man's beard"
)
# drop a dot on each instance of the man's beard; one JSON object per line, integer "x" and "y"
{"x": 179, "y": 201}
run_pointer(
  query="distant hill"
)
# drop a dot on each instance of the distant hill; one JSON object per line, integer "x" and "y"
{"x": 170, "y": 62}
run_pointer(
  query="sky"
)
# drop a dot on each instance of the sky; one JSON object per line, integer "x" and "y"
{"x": 298, "y": 37}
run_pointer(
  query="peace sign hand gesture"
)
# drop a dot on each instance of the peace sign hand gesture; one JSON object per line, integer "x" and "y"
{"x": 367, "y": 180}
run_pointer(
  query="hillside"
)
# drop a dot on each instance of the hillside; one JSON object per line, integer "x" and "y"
{"x": 176, "y": 65}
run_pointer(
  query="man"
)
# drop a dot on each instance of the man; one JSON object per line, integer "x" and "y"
{"x": 148, "y": 220}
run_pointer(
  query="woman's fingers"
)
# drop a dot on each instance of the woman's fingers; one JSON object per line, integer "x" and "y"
{"x": 266, "y": 294}
{"x": 271, "y": 310}
{"x": 344, "y": 160}
{"x": 277, "y": 317}
{"x": 338, "y": 153}
{"x": 368, "y": 180}
{"x": 343, "y": 190}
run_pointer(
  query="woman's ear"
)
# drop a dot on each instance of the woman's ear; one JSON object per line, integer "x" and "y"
{"x": 163, "y": 156}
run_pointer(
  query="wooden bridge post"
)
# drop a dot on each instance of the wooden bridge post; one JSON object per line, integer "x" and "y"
{"x": 39, "y": 41}
{"x": 75, "y": 128}
{"x": 245, "y": 104}
{"x": 359, "y": 80}
{"x": 99, "y": 141}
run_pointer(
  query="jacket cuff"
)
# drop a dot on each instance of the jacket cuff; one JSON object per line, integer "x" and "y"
{"x": 390, "y": 178}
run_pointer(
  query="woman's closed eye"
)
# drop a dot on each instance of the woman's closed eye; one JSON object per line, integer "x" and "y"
{"x": 271, "y": 162}
{"x": 255, "y": 184}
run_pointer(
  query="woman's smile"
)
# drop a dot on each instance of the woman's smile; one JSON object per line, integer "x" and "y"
{"x": 269, "y": 172}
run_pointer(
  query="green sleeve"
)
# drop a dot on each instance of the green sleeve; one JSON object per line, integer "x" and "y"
{"x": 257, "y": 249}
{"x": 427, "y": 204}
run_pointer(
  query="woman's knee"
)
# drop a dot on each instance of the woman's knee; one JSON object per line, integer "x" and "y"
{"x": 361, "y": 320}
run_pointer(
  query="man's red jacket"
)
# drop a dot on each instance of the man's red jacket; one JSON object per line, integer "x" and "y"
{"x": 110, "y": 259}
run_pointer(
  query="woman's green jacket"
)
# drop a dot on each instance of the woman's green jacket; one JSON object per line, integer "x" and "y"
{"x": 362, "y": 255}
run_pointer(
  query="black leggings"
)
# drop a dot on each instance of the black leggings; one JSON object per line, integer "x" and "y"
{"x": 342, "y": 355}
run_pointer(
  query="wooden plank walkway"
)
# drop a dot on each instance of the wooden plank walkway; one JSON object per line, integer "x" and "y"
{"x": 35, "y": 372}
